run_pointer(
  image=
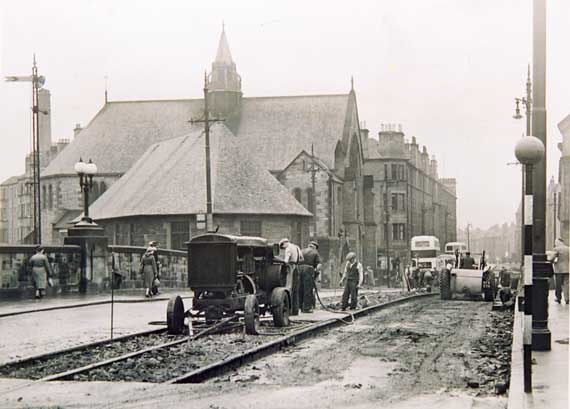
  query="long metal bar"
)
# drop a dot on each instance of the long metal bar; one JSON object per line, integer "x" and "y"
{"x": 542, "y": 270}
{"x": 209, "y": 211}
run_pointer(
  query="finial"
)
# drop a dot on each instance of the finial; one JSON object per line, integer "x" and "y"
{"x": 106, "y": 100}
{"x": 313, "y": 150}
{"x": 223, "y": 26}
{"x": 528, "y": 73}
{"x": 351, "y": 83}
{"x": 205, "y": 79}
{"x": 34, "y": 59}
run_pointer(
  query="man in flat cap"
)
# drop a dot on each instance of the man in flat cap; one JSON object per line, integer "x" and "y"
{"x": 309, "y": 269}
{"x": 293, "y": 256}
{"x": 352, "y": 279}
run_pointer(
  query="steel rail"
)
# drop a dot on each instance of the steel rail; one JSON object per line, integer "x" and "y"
{"x": 48, "y": 355}
{"x": 87, "y": 368}
{"x": 237, "y": 360}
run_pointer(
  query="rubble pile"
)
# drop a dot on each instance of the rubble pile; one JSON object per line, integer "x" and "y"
{"x": 492, "y": 354}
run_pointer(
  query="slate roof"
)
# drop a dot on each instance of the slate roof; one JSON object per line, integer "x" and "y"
{"x": 276, "y": 128}
{"x": 170, "y": 179}
{"x": 122, "y": 131}
{"x": 280, "y": 127}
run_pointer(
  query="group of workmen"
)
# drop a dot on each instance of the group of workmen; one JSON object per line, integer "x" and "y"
{"x": 306, "y": 265}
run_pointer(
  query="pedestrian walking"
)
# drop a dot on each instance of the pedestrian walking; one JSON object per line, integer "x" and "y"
{"x": 352, "y": 278}
{"x": 42, "y": 272}
{"x": 149, "y": 268}
{"x": 293, "y": 257}
{"x": 156, "y": 282}
{"x": 370, "y": 277}
{"x": 561, "y": 264}
{"x": 309, "y": 268}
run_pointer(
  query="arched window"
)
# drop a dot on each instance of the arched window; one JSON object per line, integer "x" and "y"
{"x": 102, "y": 188}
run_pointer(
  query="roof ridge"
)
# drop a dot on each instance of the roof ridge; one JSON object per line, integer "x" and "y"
{"x": 299, "y": 96}
{"x": 155, "y": 100}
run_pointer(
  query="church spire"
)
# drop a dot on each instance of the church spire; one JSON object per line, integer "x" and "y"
{"x": 224, "y": 56}
{"x": 224, "y": 83}
{"x": 224, "y": 76}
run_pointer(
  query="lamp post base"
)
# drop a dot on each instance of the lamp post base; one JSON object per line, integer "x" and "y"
{"x": 541, "y": 335}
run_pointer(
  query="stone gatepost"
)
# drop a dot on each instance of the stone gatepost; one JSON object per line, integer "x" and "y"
{"x": 93, "y": 243}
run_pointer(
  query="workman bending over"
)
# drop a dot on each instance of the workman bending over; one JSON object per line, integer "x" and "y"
{"x": 293, "y": 257}
{"x": 309, "y": 269}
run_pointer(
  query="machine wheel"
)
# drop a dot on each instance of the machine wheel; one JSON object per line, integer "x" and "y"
{"x": 175, "y": 315}
{"x": 445, "y": 285}
{"x": 280, "y": 307}
{"x": 251, "y": 315}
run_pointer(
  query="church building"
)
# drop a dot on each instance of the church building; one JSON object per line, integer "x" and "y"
{"x": 282, "y": 166}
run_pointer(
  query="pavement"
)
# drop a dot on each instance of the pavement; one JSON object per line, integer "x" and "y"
{"x": 550, "y": 381}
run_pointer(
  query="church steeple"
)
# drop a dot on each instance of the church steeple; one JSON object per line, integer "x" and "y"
{"x": 224, "y": 76}
{"x": 224, "y": 84}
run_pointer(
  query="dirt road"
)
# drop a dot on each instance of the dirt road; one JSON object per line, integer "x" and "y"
{"x": 432, "y": 353}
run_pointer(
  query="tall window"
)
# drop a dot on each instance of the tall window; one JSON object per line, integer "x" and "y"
{"x": 398, "y": 231}
{"x": 398, "y": 201}
{"x": 50, "y": 197}
{"x": 297, "y": 194}
{"x": 310, "y": 200}
{"x": 179, "y": 235}
{"x": 394, "y": 174}
{"x": 401, "y": 172}
{"x": 250, "y": 228}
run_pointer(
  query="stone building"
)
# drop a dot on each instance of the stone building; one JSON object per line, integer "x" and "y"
{"x": 564, "y": 178}
{"x": 16, "y": 193}
{"x": 408, "y": 197}
{"x": 311, "y": 144}
{"x": 500, "y": 242}
{"x": 162, "y": 196}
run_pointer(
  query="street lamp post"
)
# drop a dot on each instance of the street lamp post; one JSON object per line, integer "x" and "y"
{"x": 527, "y": 102}
{"x": 468, "y": 240}
{"x": 529, "y": 151}
{"x": 85, "y": 171}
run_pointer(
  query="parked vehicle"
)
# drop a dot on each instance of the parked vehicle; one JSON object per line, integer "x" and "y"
{"x": 233, "y": 274}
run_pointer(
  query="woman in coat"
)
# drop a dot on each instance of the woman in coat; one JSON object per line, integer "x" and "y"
{"x": 41, "y": 271}
{"x": 149, "y": 270}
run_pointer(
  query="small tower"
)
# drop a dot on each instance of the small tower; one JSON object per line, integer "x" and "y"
{"x": 224, "y": 84}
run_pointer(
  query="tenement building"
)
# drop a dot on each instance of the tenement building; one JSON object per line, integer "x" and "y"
{"x": 282, "y": 166}
{"x": 409, "y": 198}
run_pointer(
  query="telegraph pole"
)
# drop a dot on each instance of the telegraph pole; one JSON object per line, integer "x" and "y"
{"x": 37, "y": 83}
{"x": 314, "y": 170}
{"x": 207, "y": 122}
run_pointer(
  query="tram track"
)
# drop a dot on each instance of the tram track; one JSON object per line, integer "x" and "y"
{"x": 199, "y": 357}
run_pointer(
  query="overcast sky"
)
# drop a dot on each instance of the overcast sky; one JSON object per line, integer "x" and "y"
{"x": 447, "y": 70}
